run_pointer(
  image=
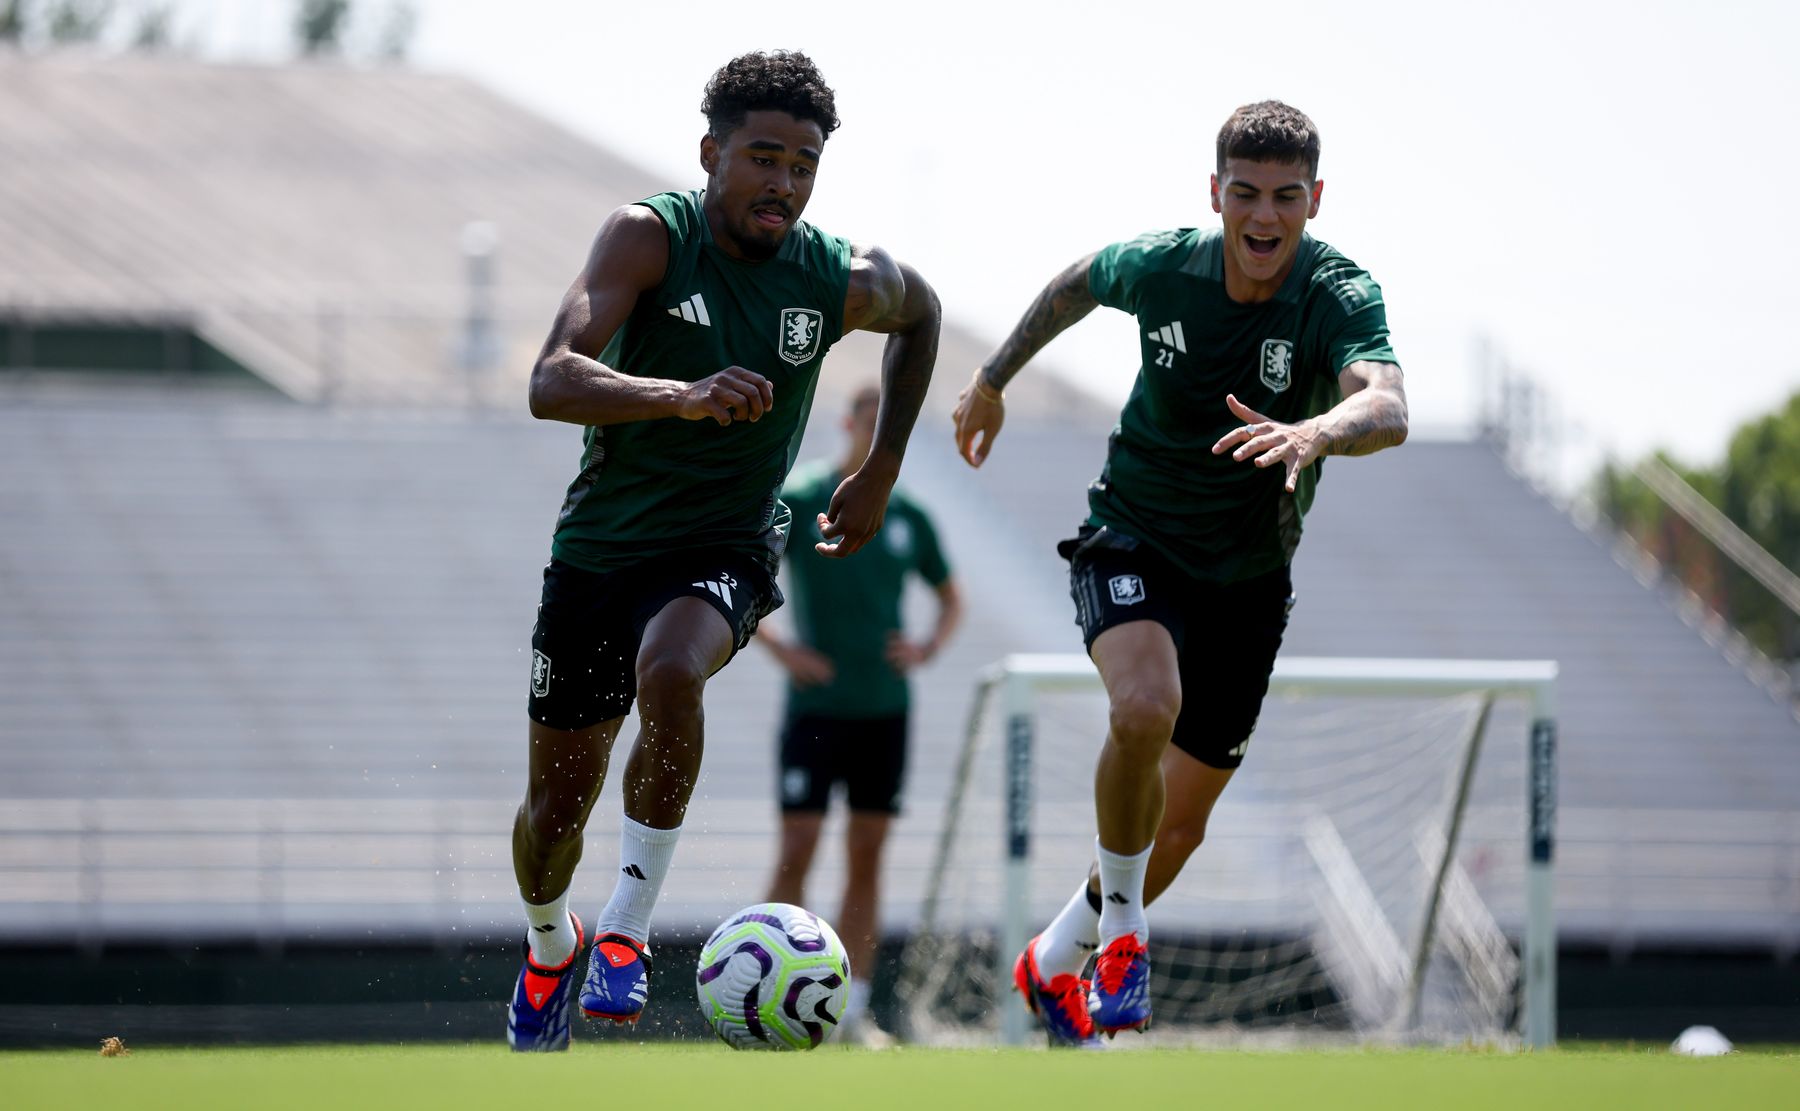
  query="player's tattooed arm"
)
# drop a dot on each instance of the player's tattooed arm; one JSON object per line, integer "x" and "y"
{"x": 981, "y": 409}
{"x": 1372, "y": 415}
{"x": 570, "y": 383}
{"x": 889, "y": 297}
{"x": 1064, "y": 301}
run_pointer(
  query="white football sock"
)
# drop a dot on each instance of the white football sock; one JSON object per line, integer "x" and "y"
{"x": 644, "y": 855}
{"x": 552, "y": 937}
{"x": 1070, "y": 938}
{"x": 1122, "y": 894}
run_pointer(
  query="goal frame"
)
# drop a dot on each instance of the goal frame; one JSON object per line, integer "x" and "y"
{"x": 1019, "y": 677}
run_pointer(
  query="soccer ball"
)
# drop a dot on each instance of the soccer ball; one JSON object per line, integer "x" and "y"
{"x": 773, "y": 976}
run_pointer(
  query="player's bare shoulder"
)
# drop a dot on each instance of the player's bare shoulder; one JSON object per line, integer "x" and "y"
{"x": 885, "y": 295}
{"x": 876, "y": 286}
{"x": 631, "y": 246}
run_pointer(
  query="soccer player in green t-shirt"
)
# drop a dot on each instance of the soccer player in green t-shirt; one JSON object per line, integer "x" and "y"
{"x": 689, "y": 347}
{"x": 1263, "y": 350}
{"x": 847, "y": 696}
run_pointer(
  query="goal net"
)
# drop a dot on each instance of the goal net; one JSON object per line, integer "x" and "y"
{"x": 1379, "y": 869}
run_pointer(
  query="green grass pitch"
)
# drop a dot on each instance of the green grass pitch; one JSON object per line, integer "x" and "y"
{"x": 640, "y": 1078}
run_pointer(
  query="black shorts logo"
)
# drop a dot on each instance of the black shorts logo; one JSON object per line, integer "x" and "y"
{"x": 1127, "y": 590}
{"x": 540, "y": 674}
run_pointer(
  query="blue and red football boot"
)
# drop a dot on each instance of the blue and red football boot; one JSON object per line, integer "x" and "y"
{"x": 618, "y": 979}
{"x": 1060, "y": 1006}
{"x": 1120, "y": 997}
{"x": 537, "y": 1020}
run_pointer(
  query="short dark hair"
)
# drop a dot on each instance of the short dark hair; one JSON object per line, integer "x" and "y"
{"x": 782, "y": 80}
{"x": 1270, "y": 131}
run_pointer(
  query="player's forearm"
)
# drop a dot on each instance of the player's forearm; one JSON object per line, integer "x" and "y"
{"x": 573, "y": 388}
{"x": 906, "y": 364}
{"x": 1065, "y": 300}
{"x": 770, "y": 638}
{"x": 1368, "y": 420}
{"x": 949, "y": 618}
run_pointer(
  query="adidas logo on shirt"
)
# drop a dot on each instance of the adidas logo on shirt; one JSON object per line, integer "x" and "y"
{"x": 1169, "y": 335}
{"x": 693, "y": 310}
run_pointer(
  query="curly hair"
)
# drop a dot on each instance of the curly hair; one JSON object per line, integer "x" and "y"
{"x": 1270, "y": 131}
{"x": 784, "y": 80}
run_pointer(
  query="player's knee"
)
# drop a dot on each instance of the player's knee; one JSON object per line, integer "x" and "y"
{"x": 1181, "y": 836}
{"x": 670, "y": 682}
{"x": 1144, "y": 720}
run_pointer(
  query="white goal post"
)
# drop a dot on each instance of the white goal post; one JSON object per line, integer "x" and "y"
{"x": 1018, "y": 681}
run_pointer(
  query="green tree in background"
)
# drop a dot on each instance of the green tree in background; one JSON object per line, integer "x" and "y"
{"x": 319, "y": 26}
{"x": 154, "y": 29}
{"x": 12, "y": 21}
{"x": 72, "y": 21}
{"x": 1758, "y": 487}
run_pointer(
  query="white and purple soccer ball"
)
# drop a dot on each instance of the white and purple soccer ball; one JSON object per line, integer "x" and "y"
{"x": 773, "y": 976}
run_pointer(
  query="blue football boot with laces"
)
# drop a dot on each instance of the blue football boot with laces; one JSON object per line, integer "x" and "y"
{"x": 1060, "y": 1003}
{"x": 537, "y": 1020}
{"x": 1120, "y": 997}
{"x": 618, "y": 979}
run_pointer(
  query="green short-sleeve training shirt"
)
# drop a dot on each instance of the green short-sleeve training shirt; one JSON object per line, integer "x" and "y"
{"x": 847, "y": 608}
{"x": 1218, "y": 519}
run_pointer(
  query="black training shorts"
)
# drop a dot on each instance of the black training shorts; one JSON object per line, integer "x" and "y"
{"x": 1226, "y": 634}
{"x": 866, "y": 755}
{"x": 584, "y": 649}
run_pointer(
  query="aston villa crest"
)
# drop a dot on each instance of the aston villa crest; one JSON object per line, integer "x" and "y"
{"x": 801, "y": 330}
{"x": 1277, "y": 364}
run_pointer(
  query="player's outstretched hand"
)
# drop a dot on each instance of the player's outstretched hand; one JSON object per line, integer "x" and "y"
{"x": 979, "y": 413}
{"x": 1269, "y": 441}
{"x": 855, "y": 513}
{"x": 732, "y": 394}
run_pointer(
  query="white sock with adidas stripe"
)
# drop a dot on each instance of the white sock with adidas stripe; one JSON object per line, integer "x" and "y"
{"x": 644, "y": 856}
{"x": 1122, "y": 892}
{"x": 552, "y": 937}
{"x": 1070, "y": 938}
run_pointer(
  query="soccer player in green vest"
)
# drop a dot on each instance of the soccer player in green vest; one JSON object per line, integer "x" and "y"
{"x": 847, "y": 696}
{"x": 688, "y": 347}
{"x": 1263, "y": 351}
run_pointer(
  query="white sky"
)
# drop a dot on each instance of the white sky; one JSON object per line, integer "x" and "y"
{"x": 1600, "y": 187}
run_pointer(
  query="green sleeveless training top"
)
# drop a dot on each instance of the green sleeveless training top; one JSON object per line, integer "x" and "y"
{"x": 649, "y": 488}
{"x": 1218, "y": 519}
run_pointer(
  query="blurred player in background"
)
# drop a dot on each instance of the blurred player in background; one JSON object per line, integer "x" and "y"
{"x": 1263, "y": 350}
{"x": 689, "y": 346}
{"x": 848, "y": 698}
